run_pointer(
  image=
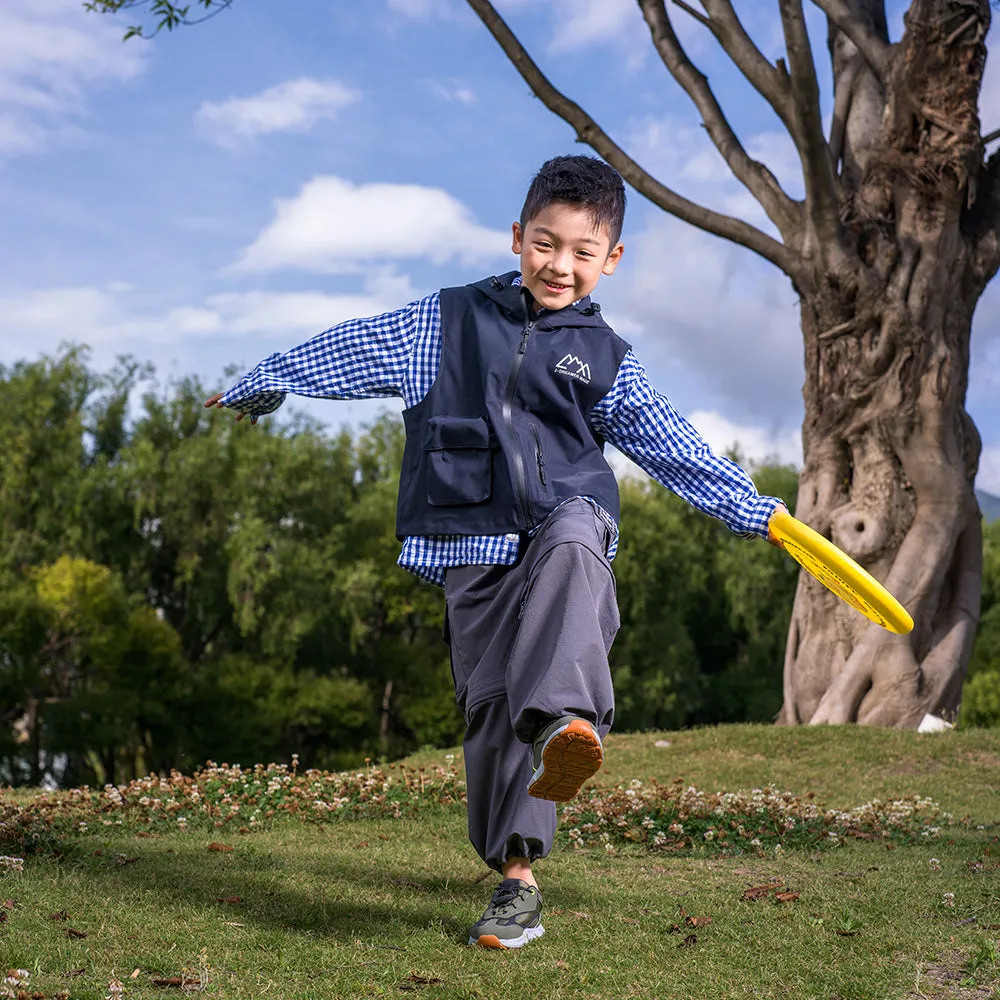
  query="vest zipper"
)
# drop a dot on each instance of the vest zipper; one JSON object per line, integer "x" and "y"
{"x": 520, "y": 486}
{"x": 539, "y": 458}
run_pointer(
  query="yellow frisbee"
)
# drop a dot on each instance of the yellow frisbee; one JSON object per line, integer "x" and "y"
{"x": 838, "y": 572}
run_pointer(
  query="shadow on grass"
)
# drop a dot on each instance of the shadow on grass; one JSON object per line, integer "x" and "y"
{"x": 339, "y": 893}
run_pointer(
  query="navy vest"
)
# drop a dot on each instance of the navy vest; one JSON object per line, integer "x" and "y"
{"x": 503, "y": 436}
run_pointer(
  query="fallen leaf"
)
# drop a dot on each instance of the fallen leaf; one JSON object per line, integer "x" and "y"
{"x": 135, "y": 974}
{"x": 229, "y": 899}
{"x": 215, "y": 846}
{"x": 581, "y": 916}
{"x": 786, "y": 897}
{"x": 674, "y": 929}
{"x": 61, "y": 915}
{"x": 837, "y": 930}
{"x": 72, "y": 932}
{"x": 698, "y": 921}
{"x": 383, "y": 836}
{"x": 10, "y": 904}
{"x": 124, "y": 859}
{"x": 758, "y": 891}
{"x": 631, "y": 920}
{"x": 360, "y": 844}
{"x": 74, "y": 972}
{"x": 561, "y": 963}
{"x": 689, "y": 941}
{"x": 3, "y": 917}
{"x": 144, "y": 833}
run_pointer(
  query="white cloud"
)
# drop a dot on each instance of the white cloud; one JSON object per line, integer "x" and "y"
{"x": 453, "y": 91}
{"x": 292, "y": 106}
{"x": 334, "y": 226}
{"x": 424, "y": 10}
{"x": 52, "y": 55}
{"x": 728, "y": 319}
{"x": 38, "y": 321}
{"x": 756, "y": 444}
{"x": 989, "y": 470}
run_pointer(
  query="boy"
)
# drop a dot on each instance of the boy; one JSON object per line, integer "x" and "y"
{"x": 512, "y": 385}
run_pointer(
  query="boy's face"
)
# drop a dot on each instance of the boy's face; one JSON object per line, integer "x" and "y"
{"x": 563, "y": 255}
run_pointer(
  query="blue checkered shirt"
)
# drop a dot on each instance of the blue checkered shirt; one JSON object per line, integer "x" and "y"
{"x": 398, "y": 354}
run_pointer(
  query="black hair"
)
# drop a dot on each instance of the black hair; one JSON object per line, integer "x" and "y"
{"x": 585, "y": 181}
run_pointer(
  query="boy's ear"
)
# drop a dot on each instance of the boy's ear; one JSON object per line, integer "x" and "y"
{"x": 612, "y": 262}
{"x": 518, "y": 238}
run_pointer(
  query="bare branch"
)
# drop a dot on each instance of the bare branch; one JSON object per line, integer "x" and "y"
{"x": 769, "y": 81}
{"x": 755, "y": 176}
{"x": 842, "y": 108}
{"x": 817, "y": 166}
{"x": 589, "y": 132}
{"x": 696, "y": 14}
{"x": 874, "y": 49}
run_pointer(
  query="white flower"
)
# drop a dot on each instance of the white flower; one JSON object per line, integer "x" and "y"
{"x": 935, "y": 865}
{"x": 948, "y": 899}
{"x": 12, "y": 864}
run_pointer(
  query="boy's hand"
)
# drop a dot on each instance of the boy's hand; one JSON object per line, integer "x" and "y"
{"x": 770, "y": 534}
{"x": 214, "y": 401}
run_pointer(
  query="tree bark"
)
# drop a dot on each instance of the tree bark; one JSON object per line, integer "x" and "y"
{"x": 890, "y": 452}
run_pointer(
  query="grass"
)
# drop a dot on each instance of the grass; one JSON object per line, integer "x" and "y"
{"x": 380, "y": 907}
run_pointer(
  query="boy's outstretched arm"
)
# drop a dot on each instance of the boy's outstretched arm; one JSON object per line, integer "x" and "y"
{"x": 359, "y": 359}
{"x": 643, "y": 424}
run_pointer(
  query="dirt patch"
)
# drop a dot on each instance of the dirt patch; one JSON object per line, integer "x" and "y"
{"x": 944, "y": 980}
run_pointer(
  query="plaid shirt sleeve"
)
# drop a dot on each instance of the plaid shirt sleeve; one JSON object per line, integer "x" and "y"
{"x": 393, "y": 354}
{"x": 643, "y": 424}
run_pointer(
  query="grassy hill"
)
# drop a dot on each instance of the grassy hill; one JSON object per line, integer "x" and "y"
{"x": 311, "y": 903}
{"x": 989, "y": 505}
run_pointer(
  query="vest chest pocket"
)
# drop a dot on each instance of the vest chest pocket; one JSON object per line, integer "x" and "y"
{"x": 459, "y": 461}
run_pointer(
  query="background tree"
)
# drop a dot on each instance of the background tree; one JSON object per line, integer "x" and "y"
{"x": 889, "y": 251}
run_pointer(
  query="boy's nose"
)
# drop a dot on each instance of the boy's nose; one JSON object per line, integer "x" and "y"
{"x": 562, "y": 264}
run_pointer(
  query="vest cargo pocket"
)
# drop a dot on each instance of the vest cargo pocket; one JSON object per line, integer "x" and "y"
{"x": 459, "y": 461}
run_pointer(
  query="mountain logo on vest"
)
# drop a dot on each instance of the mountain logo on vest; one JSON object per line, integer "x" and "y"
{"x": 572, "y": 366}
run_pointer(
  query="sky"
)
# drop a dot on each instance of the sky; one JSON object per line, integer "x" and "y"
{"x": 229, "y": 190}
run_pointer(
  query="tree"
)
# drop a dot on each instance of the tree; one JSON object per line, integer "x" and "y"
{"x": 894, "y": 242}
{"x": 891, "y": 248}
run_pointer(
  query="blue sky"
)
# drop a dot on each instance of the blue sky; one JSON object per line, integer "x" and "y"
{"x": 226, "y": 191}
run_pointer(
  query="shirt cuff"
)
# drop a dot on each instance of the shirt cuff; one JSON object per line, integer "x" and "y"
{"x": 756, "y": 512}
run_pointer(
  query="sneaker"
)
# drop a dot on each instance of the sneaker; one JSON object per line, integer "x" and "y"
{"x": 566, "y": 753}
{"x": 513, "y": 918}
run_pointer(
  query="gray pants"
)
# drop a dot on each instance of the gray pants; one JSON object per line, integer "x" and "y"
{"x": 529, "y": 643}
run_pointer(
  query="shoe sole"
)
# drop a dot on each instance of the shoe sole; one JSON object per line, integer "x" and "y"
{"x": 492, "y": 941}
{"x": 570, "y": 756}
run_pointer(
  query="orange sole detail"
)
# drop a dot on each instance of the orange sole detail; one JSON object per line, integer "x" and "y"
{"x": 568, "y": 760}
{"x": 490, "y": 941}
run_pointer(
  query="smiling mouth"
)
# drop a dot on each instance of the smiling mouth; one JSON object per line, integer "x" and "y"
{"x": 555, "y": 286}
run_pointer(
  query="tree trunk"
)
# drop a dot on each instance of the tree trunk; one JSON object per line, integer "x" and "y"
{"x": 890, "y": 452}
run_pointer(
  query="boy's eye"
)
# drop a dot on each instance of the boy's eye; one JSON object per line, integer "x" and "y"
{"x": 542, "y": 245}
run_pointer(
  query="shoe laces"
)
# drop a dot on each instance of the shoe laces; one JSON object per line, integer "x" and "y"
{"x": 504, "y": 896}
